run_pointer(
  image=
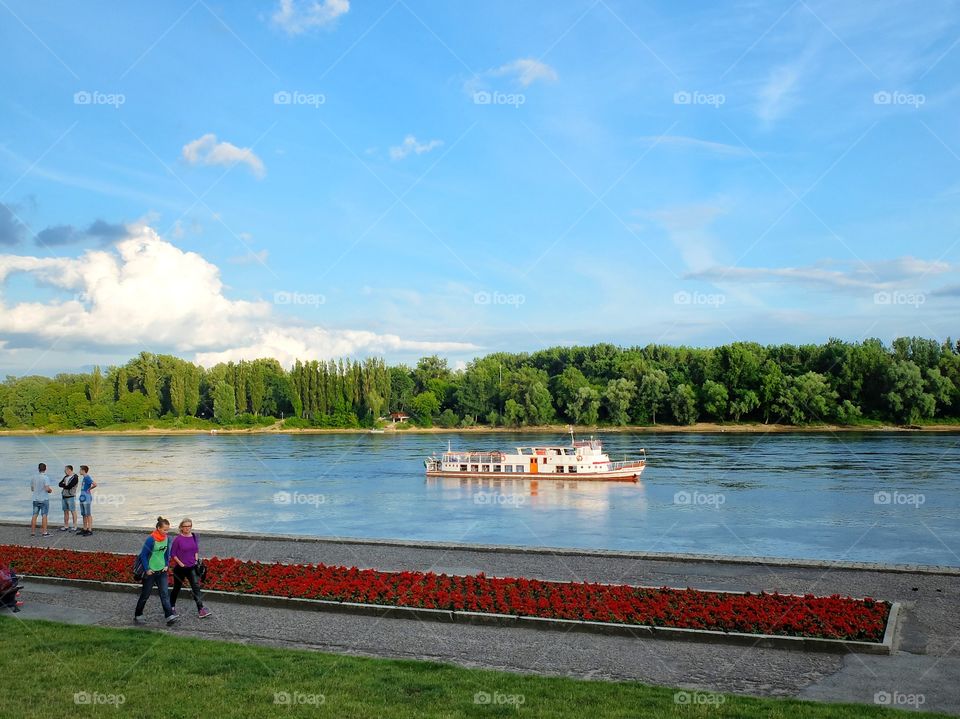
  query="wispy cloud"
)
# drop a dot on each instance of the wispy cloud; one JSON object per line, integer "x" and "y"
{"x": 694, "y": 143}
{"x": 525, "y": 71}
{"x": 410, "y": 145}
{"x": 879, "y": 274}
{"x": 12, "y": 230}
{"x": 206, "y": 150}
{"x": 296, "y": 17}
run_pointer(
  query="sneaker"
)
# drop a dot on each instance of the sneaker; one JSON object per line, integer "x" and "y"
{"x": 204, "y": 613}
{"x": 139, "y": 620}
{"x": 73, "y": 529}
{"x": 64, "y": 529}
{"x": 173, "y": 619}
{"x": 45, "y": 534}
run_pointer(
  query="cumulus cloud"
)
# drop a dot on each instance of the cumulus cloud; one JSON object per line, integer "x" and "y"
{"x": 144, "y": 292}
{"x": 12, "y": 230}
{"x": 526, "y": 71}
{"x": 206, "y": 150}
{"x": 295, "y": 17}
{"x": 410, "y": 145}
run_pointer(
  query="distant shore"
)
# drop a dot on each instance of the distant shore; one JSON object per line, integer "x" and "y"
{"x": 698, "y": 428}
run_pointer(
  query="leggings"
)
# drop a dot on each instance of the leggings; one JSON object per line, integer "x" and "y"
{"x": 189, "y": 574}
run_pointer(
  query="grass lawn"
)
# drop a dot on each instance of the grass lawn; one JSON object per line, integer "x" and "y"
{"x": 57, "y": 670}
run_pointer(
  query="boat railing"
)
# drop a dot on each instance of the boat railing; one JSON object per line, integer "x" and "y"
{"x": 642, "y": 459}
{"x": 473, "y": 457}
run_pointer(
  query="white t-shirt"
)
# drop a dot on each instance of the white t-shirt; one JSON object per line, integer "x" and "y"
{"x": 39, "y": 486}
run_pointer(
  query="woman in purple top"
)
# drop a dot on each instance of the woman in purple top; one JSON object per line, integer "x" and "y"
{"x": 184, "y": 555}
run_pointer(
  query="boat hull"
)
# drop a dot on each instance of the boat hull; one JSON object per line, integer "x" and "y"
{"x": 624, "y": 474}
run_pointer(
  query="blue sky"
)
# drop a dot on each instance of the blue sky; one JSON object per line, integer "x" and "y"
{"x": 400, "y": 178}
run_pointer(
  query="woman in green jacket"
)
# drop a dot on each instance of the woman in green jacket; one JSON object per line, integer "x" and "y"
{"x": 155, "y": 558}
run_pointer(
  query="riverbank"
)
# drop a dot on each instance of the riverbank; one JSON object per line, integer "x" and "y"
{"x": 926, "y": 647}
{"x": 558, "y": 429}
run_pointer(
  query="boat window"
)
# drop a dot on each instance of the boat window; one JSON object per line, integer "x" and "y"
{"x": 519, "y": 468}
{"x": 496, "y": 468}
{"x": 526, "y": 450}
{"x": 559, "y": 469}
{"x": 463, "y": 468}
{"x": 508, "y": 468}
{"x": 485, "y": 468}
{"x": 570, "y": 450}
{"x": 474, "y": 467}
{"x": 573, "y": 469}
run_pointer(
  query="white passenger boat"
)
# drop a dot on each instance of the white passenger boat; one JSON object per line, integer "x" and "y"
{"x": 580, "y": 460}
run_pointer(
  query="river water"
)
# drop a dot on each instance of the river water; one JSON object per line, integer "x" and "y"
{"x": 852, "y": 496}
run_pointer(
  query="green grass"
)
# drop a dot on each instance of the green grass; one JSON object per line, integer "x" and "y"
{"x": 44, "y": 664}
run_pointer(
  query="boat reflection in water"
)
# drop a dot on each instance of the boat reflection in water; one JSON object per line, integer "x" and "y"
{"x": 585, "y": 496}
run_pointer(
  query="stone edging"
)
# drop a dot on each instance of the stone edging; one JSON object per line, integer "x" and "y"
{"x": 564, "y": 551}
{"x": 763, "y": 641}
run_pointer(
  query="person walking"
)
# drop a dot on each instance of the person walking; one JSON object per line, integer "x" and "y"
{"x": 42, "y": 489}
{"x": 68, "y": 498}
{"x": 184, "y": 557}
{"x": 87, "y": 485}
{"x": 155, "y": 558}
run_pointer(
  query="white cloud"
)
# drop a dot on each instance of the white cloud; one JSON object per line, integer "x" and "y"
{"x": 410, "y": 145}
{"x": 296, "y": 17}
{"x": 146, "y": 293}
{"x": 206, "y": 150}
{"x": 873, "y": 275}
{"x": 526, "y": 71}
{"x": 694, "y": 143}
{"x": 688, "y": 227}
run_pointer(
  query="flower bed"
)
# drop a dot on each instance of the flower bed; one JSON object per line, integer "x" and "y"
{"x": 833, "y": 617}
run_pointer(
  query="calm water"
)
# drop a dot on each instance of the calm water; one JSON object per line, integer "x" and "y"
{"x": 809, "y": 496}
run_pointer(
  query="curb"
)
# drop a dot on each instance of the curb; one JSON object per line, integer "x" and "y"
{"x": 563, "y": 551}
{"x": 638, "y": 631}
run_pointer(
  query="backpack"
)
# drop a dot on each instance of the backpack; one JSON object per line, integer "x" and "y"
{"x": 138, "y": 570}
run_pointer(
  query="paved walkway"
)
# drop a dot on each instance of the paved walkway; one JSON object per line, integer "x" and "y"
{"x": 925, "y": 664}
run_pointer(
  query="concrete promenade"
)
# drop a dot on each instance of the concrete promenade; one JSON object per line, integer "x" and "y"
{"x": 925, "y": 662}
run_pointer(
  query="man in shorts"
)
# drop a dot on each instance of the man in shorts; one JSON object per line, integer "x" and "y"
{"x": 68, "y": 498}
{"x": 87, "y": 485}
{"x": 42, "y": 489}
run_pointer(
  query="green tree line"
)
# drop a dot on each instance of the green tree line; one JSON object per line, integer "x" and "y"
{"x": 913, "y": 380}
